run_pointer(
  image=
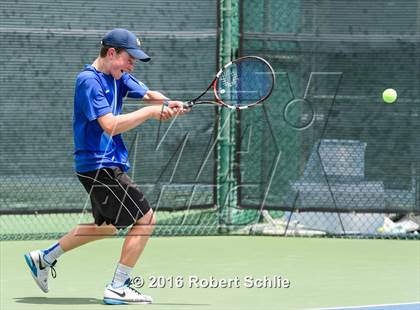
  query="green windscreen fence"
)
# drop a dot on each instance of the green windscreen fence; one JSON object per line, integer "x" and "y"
{"x": 324, "y": 155}
{"x": 326, "y": 141}
{"x": 45, "y": 44}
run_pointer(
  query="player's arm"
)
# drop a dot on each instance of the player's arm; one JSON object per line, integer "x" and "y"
{"x": 114, "y": 125}
{"x": 136, "y": 89}
{"x": 154, "y": 97}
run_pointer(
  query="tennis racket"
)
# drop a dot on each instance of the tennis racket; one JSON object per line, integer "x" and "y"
{"x": 241, "y": 84}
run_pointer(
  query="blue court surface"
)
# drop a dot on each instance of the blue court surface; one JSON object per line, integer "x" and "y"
{"x": 404, "y": 306}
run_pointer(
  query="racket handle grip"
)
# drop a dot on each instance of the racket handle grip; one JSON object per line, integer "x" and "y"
{"x": 188, "y": 104}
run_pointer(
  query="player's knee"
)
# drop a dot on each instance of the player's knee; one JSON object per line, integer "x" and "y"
{"x": 94, "y": 230}
{"x": 153, "y": 219}
{"x": 106, "y": 230}
{"x": 112, "y": 230}
{"x": 147, "y": 222}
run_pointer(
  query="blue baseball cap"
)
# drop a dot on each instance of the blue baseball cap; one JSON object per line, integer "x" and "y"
{"x": 127, "y": 40}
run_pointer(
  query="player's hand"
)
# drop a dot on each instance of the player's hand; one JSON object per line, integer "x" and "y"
{"x": 168, "y": 110}
{"x": 177, "y": 106}
{"x": 163, "y": 113}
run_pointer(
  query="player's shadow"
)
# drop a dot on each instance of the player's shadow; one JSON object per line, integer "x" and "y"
{"x": 178, "y": 304}
{"x": 81, "y": 301}
{"x": 58, "y": 300}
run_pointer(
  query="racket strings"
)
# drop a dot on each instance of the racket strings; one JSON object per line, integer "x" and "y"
{"x": 245, "y": 82}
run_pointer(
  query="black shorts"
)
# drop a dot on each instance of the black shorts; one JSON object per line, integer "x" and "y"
{"x": 115, "y": 198}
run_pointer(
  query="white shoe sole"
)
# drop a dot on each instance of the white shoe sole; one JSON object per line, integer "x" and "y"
{"x": 30, "y": 263}
{"x": 112, "y": 301}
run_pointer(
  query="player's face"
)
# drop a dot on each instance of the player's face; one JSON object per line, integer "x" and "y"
{"x": 121, "y": 63}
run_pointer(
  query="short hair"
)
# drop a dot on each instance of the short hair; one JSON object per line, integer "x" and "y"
{"x": 105, "y": 48}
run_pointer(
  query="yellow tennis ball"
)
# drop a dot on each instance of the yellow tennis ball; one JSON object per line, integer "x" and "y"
{"x": 389, "y": 95}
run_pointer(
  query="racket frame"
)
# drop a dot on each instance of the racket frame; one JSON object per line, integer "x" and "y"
{"x": 219, "y": 101}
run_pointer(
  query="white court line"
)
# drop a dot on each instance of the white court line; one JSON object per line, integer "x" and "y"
{"x": 367, "y": 306}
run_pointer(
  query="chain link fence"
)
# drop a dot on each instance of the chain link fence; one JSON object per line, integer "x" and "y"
{"x": 326, "y": 150}
{"x": 324, "y": 156}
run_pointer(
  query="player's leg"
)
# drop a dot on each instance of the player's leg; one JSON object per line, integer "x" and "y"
{"x": 97, "y": 184}
{"x": 41, "y": 262}
{"x": 135, "y": 211}
{"x": 136, "y": 239}
{"x": 120, "y": 290}
{"x": 86, "y": 233}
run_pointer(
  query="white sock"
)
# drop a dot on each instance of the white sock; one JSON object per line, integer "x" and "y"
{"x": 121, "y": 275}
{"x": 52, "y": 253}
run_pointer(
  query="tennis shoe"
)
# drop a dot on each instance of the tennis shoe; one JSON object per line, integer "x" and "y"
{"x": 40, "y": 268}
{"x": 125, "y": 294}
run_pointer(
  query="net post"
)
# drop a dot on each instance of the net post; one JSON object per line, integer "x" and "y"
{"x": 226, "y": 147}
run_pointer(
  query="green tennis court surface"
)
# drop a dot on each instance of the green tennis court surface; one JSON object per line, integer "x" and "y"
{"x": 323, "y": 273}
{"x": 407, "y": 306}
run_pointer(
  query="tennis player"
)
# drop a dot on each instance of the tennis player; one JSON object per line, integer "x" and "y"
{"x": 101, "y": 162}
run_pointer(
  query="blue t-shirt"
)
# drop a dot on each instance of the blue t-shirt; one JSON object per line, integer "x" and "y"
{"x": 95, "y": 96}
